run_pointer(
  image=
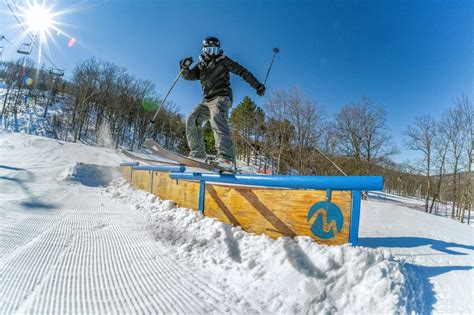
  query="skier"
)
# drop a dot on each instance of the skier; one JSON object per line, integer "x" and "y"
{"x": 213, "y": 72}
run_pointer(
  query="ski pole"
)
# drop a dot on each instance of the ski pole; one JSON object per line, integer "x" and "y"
{"x": 190, "y": 61}
{"x": 169, "y": 91}
{"x": 275, "y": 51}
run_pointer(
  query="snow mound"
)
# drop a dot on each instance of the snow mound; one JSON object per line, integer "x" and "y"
{"x": 298, "y": 275}
{"x": 91, "y": 175}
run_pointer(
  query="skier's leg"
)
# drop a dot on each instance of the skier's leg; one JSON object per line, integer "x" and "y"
{"x": 219, "y": 111}
{"x": 194, "y": 121}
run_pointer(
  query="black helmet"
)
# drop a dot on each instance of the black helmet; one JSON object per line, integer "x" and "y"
{"x": 211, "y": 41}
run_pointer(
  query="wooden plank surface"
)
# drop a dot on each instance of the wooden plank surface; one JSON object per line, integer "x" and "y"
{"x": 184, "y": 193}
{"x": 274, "y": 212}
{"x": 271, "y": 211}
{"x": 142, "y": 179}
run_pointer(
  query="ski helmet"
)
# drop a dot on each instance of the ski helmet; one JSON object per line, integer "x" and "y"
{"x": 211, "y": 41}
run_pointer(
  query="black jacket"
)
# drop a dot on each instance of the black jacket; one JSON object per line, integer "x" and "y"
{"x": 215, "y": 78}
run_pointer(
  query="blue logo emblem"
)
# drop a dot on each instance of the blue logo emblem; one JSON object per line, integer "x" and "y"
{"x": 329, "y": 219}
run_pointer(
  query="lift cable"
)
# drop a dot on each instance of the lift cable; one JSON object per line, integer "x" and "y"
{"x": 2, "y": 37}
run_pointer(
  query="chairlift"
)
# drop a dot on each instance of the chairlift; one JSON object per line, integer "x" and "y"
{"x": 57, "y": 72}
{"x": 2, "y": 37}
{"x": 25, "y": 49}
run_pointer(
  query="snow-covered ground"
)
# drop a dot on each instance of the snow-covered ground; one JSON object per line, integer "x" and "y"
{"x": 74, "y": 238}
{"x": 439, "y": 250}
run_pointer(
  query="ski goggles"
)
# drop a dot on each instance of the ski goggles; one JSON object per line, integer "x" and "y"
{"x": 210, "y": 50}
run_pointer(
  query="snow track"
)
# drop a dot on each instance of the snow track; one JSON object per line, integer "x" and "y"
{"x": 66, "y": 249}
{"x": 95, "y": 256}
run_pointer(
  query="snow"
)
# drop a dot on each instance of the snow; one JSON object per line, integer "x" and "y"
{"x": 439, "y": 250}
{"x": 75, "y": 238}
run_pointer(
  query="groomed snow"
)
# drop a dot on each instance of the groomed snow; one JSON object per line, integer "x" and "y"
{"x": 75, "y": 238}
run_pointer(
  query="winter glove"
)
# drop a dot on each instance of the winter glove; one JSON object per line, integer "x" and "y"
{"x": 186, "y": 62}
{"x": 261, "y": 90}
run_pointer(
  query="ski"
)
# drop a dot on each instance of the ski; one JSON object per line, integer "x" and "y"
{"x": 178, "y": 158}
{"x": 145, "y": 160}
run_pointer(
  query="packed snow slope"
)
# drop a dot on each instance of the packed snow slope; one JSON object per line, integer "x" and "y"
{"x": 75, "y": 238}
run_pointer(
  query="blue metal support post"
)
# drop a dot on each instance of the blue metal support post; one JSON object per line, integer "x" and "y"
{"x": 202, "y": 195}
{"x": 355, "y": 218}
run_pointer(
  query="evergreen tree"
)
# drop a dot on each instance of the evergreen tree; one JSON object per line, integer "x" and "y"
{"x": 209, "y": 141}
{"x": 247, "y": 120}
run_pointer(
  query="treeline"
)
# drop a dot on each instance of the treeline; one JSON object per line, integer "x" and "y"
{"x": 289, "y": 134}
{"x": 107, "y": 97}
{"x": 24, "y": 85}
{"x": 446, "y": 148}
{"x": 103, "y": 104}
{"x": 296, "y": 136}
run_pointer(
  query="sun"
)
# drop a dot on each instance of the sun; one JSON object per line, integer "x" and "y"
{"x": 40, "y": 23}
{"x": 38, "y": 19}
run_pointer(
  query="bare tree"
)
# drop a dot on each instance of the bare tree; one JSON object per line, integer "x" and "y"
{"x": 421, "y": 136}
{"x": 440, "y": 145}
{"x": 294, "y": 126}
{"x": 452, "y": 121}
{"x": 306, "y": 116}
{"x": 464, "y": 106}
{"x": 279, "y": 128}
{"x": 85, "y": 80}
{"x": 144, "y": 114}
{"x": 362, "y": 133}
{"x": 11, "y": 75}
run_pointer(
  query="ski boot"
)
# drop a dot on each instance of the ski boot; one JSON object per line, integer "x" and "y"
{"x": 224, "y": 164}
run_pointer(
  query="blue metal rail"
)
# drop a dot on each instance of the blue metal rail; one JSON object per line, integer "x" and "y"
{"x": 282, "y": 181}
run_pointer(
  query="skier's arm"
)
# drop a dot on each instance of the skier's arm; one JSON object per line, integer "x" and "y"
{"x": 239, "y": 70}
{"x": 191, "y": 74}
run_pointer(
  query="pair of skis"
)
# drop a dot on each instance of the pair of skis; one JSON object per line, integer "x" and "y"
{"x": 177, "y": 159}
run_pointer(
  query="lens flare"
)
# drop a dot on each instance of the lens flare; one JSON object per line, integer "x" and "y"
{"x": 71, "y": 42}
{"x": 149, "y": 104}
{"x": 27, "y": 80}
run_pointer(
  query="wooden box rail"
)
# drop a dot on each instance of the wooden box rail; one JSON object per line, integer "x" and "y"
{"x": 326, "y": 208}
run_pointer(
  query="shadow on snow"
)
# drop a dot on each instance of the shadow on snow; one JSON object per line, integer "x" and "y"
{"x": 422, "y": 296}
{"x": 34, "y": 202}
{"x": 92, "y": 175}
{"x": 407, "y": 242}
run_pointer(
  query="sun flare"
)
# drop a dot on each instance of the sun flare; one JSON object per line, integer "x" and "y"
{"x": 39, "y": 19}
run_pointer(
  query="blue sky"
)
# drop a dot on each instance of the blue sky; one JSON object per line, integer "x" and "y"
{"x": 413, "y": 57}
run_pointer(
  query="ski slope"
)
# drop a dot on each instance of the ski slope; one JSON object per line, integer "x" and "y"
{"x": 75, "y": 238}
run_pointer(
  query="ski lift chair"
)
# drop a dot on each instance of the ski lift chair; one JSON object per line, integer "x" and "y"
{"x": 57, "y": 72}
{"x": 25, "y": 49}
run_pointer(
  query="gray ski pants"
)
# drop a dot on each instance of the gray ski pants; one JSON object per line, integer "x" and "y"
{"x": 217, "y": 112}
